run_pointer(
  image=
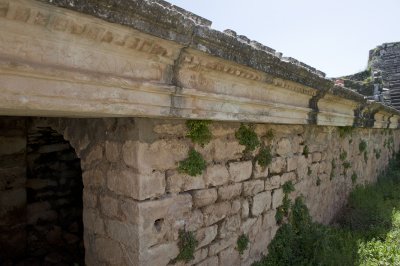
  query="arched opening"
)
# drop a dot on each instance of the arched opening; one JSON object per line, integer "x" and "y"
{"x": 40, "y": 196}
{"x": 54, "y": 200}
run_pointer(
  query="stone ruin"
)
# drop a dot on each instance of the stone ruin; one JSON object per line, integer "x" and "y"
{"x": 96, "y": 96}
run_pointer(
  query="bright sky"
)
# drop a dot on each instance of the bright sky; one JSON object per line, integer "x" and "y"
{"x": 332, "y": 36}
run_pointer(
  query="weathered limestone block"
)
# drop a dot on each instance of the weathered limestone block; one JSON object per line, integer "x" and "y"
{"x": 124, "y": 233}
{"x": 200, "y": 255}
{"x": 235, "y": 207}
{"x": 113, "y": 151}
{"x": 93, "y": 178}
{"x": 261, "y": 202}
{"x": 179, "y": 130}
{"x": 94, "y": 156}
{"x": 157, "y": 218}
{"x": 206, "y": 235}
{"x": 269, "y": 220}
{"x": 195, "y": 220}
{"x": 138, "y": 186}
{"x": 297, "y": 144}
{"x": 212, "y": 261}
{"x": 302, "y": 168}
{"x": 159, "y": 255}
{"x": 260, "y": 172}
{"x": 89, "y": 198}
{"x": 222, "y": 244}
{"x": 229, "y": 192}
{"x": 216, "y": 212}
{"x": 204, "y": 197}
{"x": 272, "y": 182}
{"x": 284, "y": 147}
{"x": 177, "y": 182}
{"x": 291, "y": 176}
{"x": 229, "y": 256}
{"x": 229, "y": 226}
{"x": 227, "y": 150}
{"x": 216, "y": 175}
{"x": 278, "y": 165}
{"x": 93, "y": 222}
{"x": 247, "y": 225}
{"x": 253, "y": 187}
{"x": 109, "y": 206}
{"x": 291, "y": 163}
{"x": 245, "y": 208}
{"x": 260, "y": 244}
{"x": 316, "y": 157}
{"x": 108, "y": 251}
{"x": 159, "y": 155}
{"x": 240, "y": 171}
{"x": 277, "y": 198}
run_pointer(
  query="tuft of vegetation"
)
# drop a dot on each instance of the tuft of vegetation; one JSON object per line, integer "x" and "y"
{"x": 354, "y": 178}
{"x": 367, "y": 233}
{"x": 187, "y": 245}
{"x": 199, "y": 131}
{"x": 345, "y": 131}
{"x": 362, "y": 147}
{"x": 318, "y": 183}
{"x": 193, "y": 165}
{"x": 283, "y": 210}
{"x": 309, "y": 171}
{"x": 270, "y": 134}
{"x": 346, "y": 165}
{"x": 377, "y": 153}
{"x": 343, "y": 156}
{"x": 242, "y": 243}
{"x": 247, "y": 137}
{"x": 306, "y": 151}
{"x": 264, "y": 157}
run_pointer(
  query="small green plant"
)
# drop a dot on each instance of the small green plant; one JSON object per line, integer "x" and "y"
{"x": 346, "y": 165}
{"x": 345, "y": 131}
{"x": 187, "y": 245}
{"x": 309, "y": 171}
{"x": 264, "y": 157}
{"x": 242, "y": 243}
{"x": 377, "y": 153}
{"x": 362, "y": 146}
{"x": 247, "y": 137}
{"x": 306, "y": 151}
{"x": 288, "y": 187}
{"x": 318, "y": 183}
{"x": 283, "y": 210}
{"x": 343, "y": 156}
{"x": 270, "y": 134}
{"x": 199, "y": 131}
{"x": 193, "y": 165}
{"x": 354, "y": 178}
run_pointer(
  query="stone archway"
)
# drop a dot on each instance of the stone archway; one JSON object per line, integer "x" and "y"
{"x": 54, "y": 199}
{"x": 40, "y": 196}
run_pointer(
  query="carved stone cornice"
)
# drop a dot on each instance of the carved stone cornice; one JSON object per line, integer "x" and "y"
{"x": 58, "y": 62}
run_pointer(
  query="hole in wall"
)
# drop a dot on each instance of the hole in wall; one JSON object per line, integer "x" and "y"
{"x": 158, "y": 224}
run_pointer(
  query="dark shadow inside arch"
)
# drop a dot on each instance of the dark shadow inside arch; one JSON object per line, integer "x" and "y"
{"x": 54, "y": 227}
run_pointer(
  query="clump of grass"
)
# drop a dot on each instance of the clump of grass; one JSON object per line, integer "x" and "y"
{"x": 187, "y": 245}
{"x": 199, "y": 131}
{"x": 306, "y": 151}
{"x": 247, "y": 137}
{"x": 345, "y": 131}
{"x": 283, "y": 210}
{"x": 354, "y": 178}
{"x": 367, "y": 233}
{"x": 264, "y": 157}
{"x": 343, "y": 155}
{"x": 193, "y": 165}
{"x": 270, "y": 134}
{"x": 242, "y": 243}
{"x": 346, "y": 165}
{"x": 362, "y": 147}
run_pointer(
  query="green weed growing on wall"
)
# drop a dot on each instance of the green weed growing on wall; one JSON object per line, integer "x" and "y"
{"x": 199, "y": 131}
{"x": 345, "y": 131}
{"x": 343, "y": 155}
{"x": 193, "y": 165}
{"x": 306, "y": 151}
{"x": 247, "y": 137}
{"x": 242, "y": 243}
{"x": 283, "y": 210}
{"x": 187, "y": 245}
{"x": 362, "y": 147}
{"x": 264, "y": 157}
{"x": 354, "y": 178}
